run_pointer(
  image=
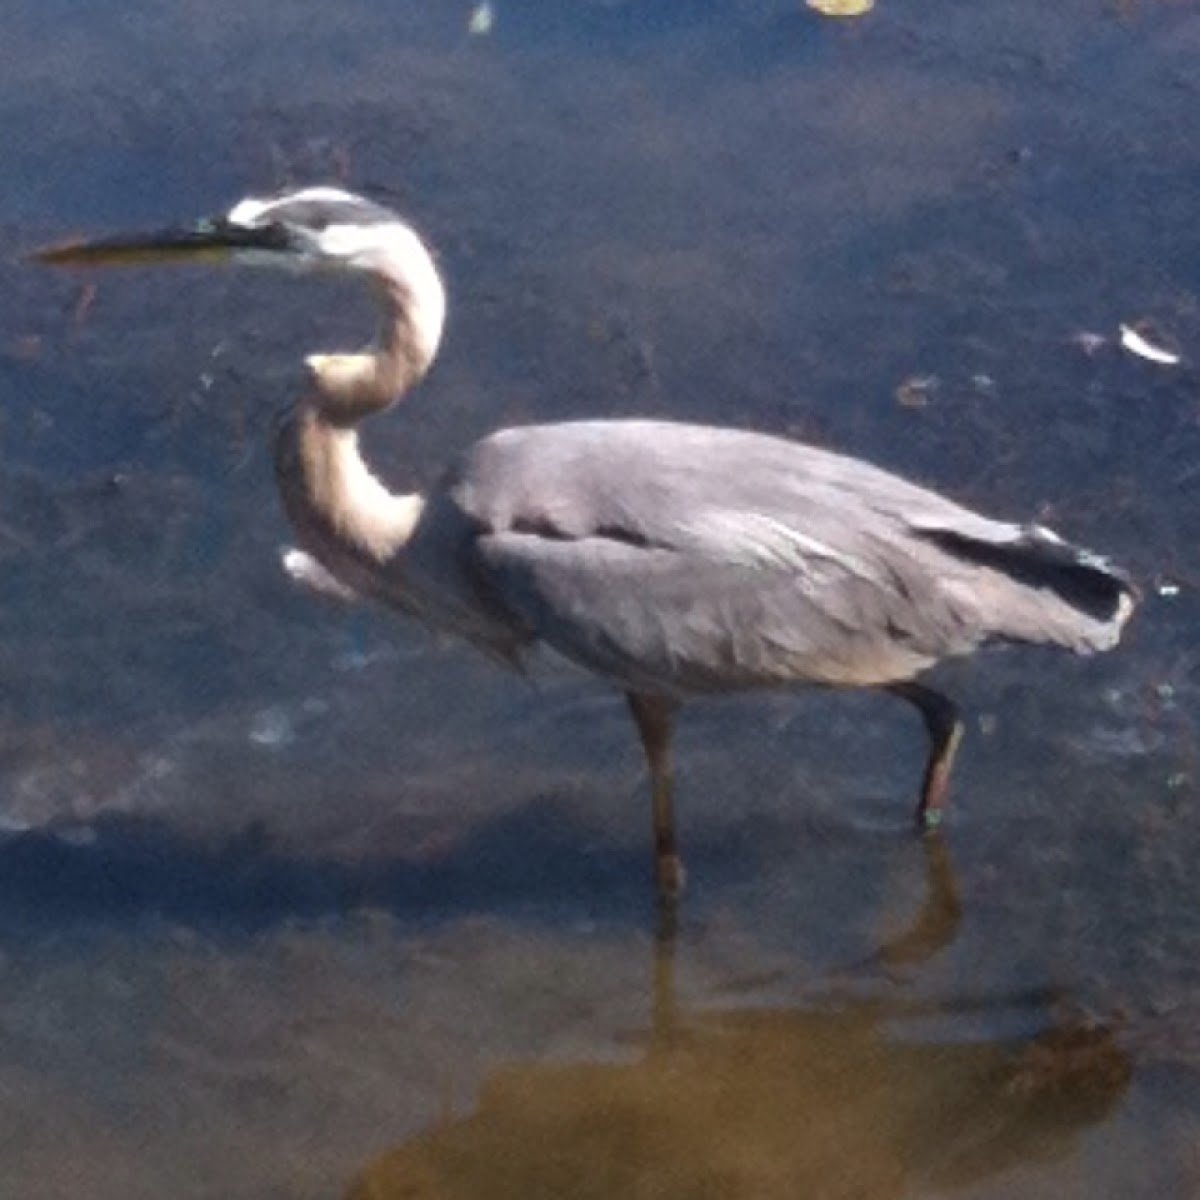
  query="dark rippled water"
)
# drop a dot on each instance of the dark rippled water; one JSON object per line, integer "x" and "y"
{"x": 296, "y": 903}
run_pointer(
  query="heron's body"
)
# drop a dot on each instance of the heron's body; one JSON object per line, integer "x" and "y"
{"x": 671, "y": 560}
{"x": 723, "y": 560}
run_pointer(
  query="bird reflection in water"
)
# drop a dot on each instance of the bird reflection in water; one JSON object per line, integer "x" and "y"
{"x": 841, "y": 1096}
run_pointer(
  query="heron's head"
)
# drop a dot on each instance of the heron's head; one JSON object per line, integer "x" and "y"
{"x": 315, "y": 229}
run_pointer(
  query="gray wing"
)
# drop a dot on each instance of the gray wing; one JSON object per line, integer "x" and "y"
{"x": 683, "y": 558}
{"x": 663, "y": 620}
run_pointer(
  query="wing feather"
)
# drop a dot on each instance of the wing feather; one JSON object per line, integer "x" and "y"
{"x": 686, "y": 558}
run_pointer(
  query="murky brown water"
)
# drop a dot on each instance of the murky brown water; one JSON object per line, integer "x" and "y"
{"x": 294, "y": 903}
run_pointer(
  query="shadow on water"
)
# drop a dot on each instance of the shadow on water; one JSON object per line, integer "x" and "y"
{"x": 843, "y": 1096}
{"x": 126, "y": 868}
{"x": 541, "y": 859}
{"x": 536, "y": 859}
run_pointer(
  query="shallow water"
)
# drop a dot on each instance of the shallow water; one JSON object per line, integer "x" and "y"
{"x": 296, "y": 902}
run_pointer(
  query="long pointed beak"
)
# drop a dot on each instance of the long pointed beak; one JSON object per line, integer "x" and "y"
{"x": 206, "y": 241}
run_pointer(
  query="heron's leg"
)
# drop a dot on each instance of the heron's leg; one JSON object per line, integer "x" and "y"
{"x": 655, "y": 720}
{"x": 945, "y": 732}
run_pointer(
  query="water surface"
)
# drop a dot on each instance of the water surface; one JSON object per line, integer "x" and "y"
{"x": 296, "y": 902}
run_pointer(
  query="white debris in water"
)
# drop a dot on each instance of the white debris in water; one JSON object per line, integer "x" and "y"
{"x": 1105, "y": 742}
{"x": 1090, "y": 343}
{"x": 272, "y": 728}
{"x": 307, "y": 572}
{"x": 482, "y": 20}
{"x": 1137, "y": 343}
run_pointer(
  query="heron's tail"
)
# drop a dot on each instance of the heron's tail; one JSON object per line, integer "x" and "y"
{"x": 1038, "y": 588}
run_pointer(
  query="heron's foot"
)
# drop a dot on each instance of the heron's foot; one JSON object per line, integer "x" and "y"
{"x": 669, "y": 875}
{"x": 945, "y": 733}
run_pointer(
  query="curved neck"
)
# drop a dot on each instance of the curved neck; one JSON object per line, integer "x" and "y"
{"x": 342, "y": 513}
{"x": 349, "y": 387}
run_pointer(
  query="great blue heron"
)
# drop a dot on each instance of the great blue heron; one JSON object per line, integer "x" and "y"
{"x": 671, "y": 560}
